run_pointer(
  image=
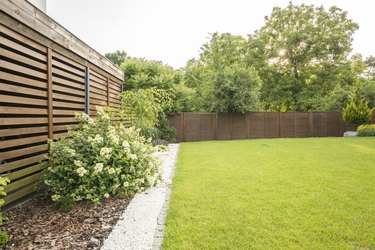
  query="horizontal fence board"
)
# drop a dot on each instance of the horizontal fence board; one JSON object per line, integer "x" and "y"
{"x": 22, "y": 90}
{"x": 67, "y": 90}
{"x": 20, "y": 121}
{"x": 22, "y": 49}
{"x": 19, "y": 194}
{"x": 22, "y": 111}
{"x": 21, "y": 163}
{"x": 22, "y": 100}
{"x": 23, "y": 80}
{"x": 23, "y": 131}
{"x": 22, "y": 141}
{"x": 68, "y": 83}
{"x": 23, "y": 59}
{"x": 22, "y": 182}
{"x": 23, "y": 151}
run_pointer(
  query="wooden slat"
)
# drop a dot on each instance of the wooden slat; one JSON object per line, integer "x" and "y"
{"x": 23, "y": 151}
{"x": 64, "y": 112}
{"x": 22, "y": 90}
{"x": 22, "y": 69}
{"x": 98, "y": 91}
{"x": 19, "y": 194}
{"x": 23, "y": 100}
{"x": 24, "y": 172}
{"x": 68, "y": 98}
{"x": 115, "y": 92}
{"x": 22, "y": 141}
{"x": 68, "y": 68}
{"x": 22, "y": 38}
{"x": 60, "y": 135}
{"x": 21, "y": 163}
{"x": 97, "y": 76}
{"x": 22, "y": 49}
{"x": 68, "y": 83}
{"x": 68, "y": 90}
{"x": 26, "y": 120}
{"x": 22, "y": 182}
{"x": 115, "y": 88}
{"x": 114, "y": 83}
{"x": 60, "y": 128}
{"x": 99, "y": 97}
{"x": 114, "y": 105}
{"x": 97, "y": 85}
{"x": 114, "y": 96}
{"x": 68, "y": 105}
{"x": 67, "y": 75}
{"x": 68, "y": 60}
{"x": 22, "y": 111}
{"x": 63, "y": 119}
{"x": 114, "y": 100}
{"x": 23, "y": 131}
{"x": 98, "y": 102}
{"x": 23, "y": 59}
{"x": 23, "y": 80}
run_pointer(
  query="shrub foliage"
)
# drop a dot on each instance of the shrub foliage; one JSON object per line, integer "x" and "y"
{"x": 97, "y": 159}
{"x": 366, "y": 130}
{"x": 3, "y": 235}
{"x": 357, "y": 113}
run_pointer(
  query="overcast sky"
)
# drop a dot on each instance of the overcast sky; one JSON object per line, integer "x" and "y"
{"x": 173, "y": 31}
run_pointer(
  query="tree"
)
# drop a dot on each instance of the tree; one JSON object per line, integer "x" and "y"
{"x": 140, "y": 73}
{"x": 357, "y": 111}
{"x": 236, "y": 89}
{"x": 299, "y": 53}
{"x": 222, "y": 81}
{"x": 117, "y": 57}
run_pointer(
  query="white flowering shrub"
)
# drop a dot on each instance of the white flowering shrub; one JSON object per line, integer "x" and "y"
{"x": 97, "y": 159}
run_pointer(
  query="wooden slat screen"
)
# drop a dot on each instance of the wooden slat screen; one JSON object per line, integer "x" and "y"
{"x": 231, "y": 126}
{"x": 40, "y": 92}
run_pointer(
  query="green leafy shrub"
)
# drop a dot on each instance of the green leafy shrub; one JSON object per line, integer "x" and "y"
{"x": 144, "y": 109}
{"x": 97, "y": 159}
{"x": 3, "y": 235}
{"x": 357, "y": 113}
{"x": 366, "y": 130}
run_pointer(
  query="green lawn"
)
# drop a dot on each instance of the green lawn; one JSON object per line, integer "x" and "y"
{"x": 316, "y": 193}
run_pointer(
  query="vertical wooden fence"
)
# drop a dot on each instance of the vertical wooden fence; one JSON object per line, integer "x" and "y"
{"x": 42, "y": 86}
{"x": 232, "y": 126}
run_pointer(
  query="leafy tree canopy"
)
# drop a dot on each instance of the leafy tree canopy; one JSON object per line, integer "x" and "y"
{"x": 117, "y": 57}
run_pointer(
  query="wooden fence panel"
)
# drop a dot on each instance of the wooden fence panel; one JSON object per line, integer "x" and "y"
{"x": 271, "y": 125}
{"x": 24, "y": 111}
{"x": 210, "y": 126}
{"x": 40, "y": 92}
{"x": 287, "y": 125}
{"x": 239, "y": 126}
{"x": 256, "y": 125}
{"x": 302, "y": 124}
{"x": 223, "y": 127}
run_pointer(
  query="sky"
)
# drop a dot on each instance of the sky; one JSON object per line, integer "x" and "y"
{"x": 173, "y": 31}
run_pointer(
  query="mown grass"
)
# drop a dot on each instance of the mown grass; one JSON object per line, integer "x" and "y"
{"x": 315, "y": 193}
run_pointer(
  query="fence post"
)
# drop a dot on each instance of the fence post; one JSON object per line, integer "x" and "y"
{"x": 183, "y": 126}
{"x": 311, "y": 124}
{"x": 278, "y": 125}
{"x": 50, "y": 93}
{"x": 87, "y": 90}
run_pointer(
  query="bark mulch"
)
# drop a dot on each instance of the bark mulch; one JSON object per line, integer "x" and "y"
{"x": 38, "y": 224}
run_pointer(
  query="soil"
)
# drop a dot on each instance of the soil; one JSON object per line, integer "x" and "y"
{"x": 39, "y": 224}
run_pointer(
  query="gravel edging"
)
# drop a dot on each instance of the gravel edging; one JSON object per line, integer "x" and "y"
{"x": 141, "y": 226}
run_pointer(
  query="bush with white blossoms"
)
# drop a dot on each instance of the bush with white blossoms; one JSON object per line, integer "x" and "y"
{"x": 97, "y": 159}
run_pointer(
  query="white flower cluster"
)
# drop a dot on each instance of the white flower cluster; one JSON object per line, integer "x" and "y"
{"x": 106, "y": 152}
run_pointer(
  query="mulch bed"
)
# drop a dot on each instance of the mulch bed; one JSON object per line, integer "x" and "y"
{"x": 38, "y": 224}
